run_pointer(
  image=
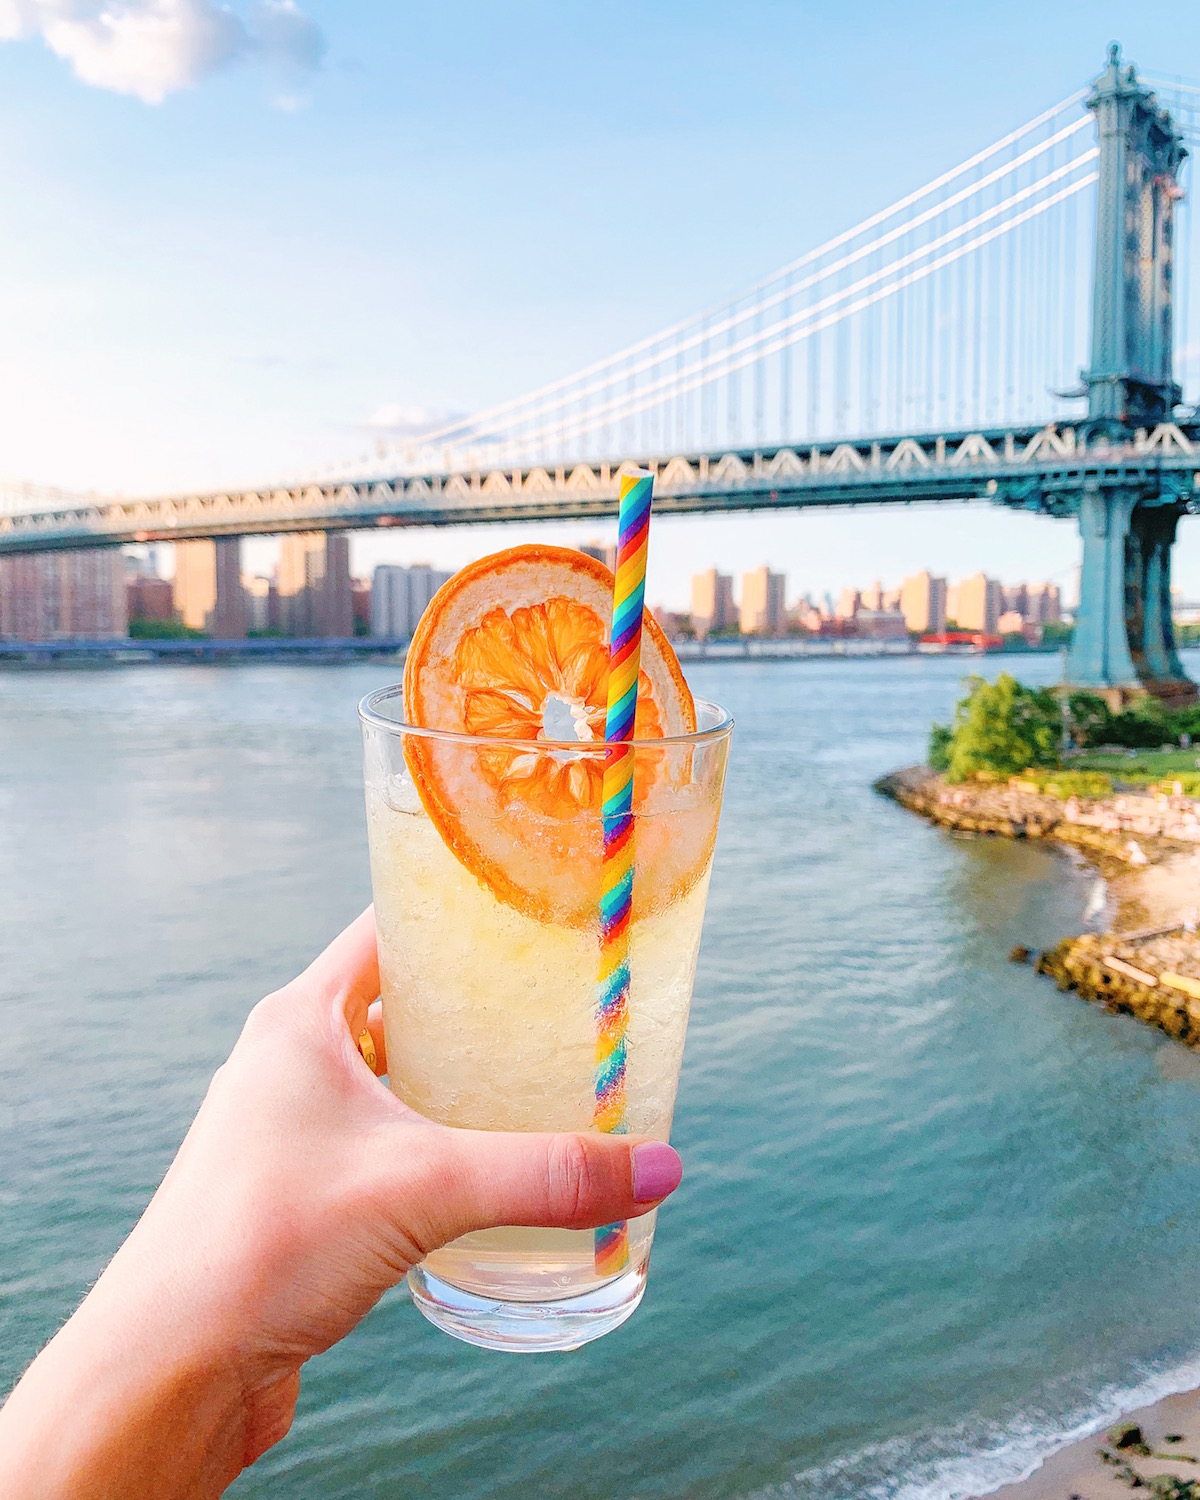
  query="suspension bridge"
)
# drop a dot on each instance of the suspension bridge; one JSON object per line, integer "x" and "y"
{"x": 1004, "y": 334}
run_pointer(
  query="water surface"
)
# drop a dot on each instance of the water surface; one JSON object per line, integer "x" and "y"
{"x": 935, "y": 1214}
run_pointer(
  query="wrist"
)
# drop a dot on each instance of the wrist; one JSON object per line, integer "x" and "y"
{"x": 130, "y": 1397}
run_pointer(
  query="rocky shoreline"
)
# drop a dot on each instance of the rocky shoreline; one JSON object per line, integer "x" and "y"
{"x": 1144, "y": 844}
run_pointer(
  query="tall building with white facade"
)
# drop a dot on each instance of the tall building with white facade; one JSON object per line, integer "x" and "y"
{"x": 400, "y": 596}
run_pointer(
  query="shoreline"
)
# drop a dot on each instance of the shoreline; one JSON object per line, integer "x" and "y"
{"x": 141, "y": 651}
{"x": 1160, "y": 1459}
{"x": 1145, "y": 848}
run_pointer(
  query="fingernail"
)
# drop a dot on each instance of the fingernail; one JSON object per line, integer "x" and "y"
{"x": 656, "y": 1171}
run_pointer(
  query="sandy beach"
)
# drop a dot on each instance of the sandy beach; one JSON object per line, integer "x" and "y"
{"x": 1162, "y": 893}
{"x": 1095, "y": 1469}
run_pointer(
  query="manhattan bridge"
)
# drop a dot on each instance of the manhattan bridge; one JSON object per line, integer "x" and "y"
{"x": 1004, "y": 334}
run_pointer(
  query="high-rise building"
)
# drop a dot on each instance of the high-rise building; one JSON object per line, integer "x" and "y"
{"x": 1043, "y": 604}
{"x": 974, "y": 603}
{"x": 712, "y": 602}
{"x": 923, "y": 603}
{"x": 196, "y": 583}
{"x": 208, "y": 586}
{"x": 1014, "y": 599}
{"x": 872, "y": 597}
{"x": 389, "y": 603}
{"x": 258, "y": 591}
{"x": 849, "y": 601}
{"x": 44, "y": 595}
{"x": 360, "y": 605}
{"x": 229, "y": 616}
{"x": 314, "y": 584}
{"x": 423, "y": 583}
{"x": 150, "y": 598}
{"x": 602, "y": 552}
{"x": 762, "y": 611}
{"x": 399, "y": 597}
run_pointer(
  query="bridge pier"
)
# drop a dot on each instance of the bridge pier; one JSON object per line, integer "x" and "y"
{"x": 1124, "y": 642}
{"x": 1100, "y": 657}
{"x": 1152, "y": 535}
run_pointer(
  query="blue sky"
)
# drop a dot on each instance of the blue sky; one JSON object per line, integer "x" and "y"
{"x": 237, "y": 240}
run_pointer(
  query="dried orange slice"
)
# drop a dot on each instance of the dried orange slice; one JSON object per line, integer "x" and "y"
{"x": 515, "y": 649}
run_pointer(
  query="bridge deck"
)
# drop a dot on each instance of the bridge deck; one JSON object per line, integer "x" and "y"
{"x": 1036, "y": 468}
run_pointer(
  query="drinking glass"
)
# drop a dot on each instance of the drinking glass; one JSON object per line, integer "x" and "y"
{"x": 486, "y": 860}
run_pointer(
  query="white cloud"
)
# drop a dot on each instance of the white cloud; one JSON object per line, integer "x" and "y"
{"x": 151, "y": 48}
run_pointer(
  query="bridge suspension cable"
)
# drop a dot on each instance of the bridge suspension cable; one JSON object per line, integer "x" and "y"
{"x": 963, "y": 303}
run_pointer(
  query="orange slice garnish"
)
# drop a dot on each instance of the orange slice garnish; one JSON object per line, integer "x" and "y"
{"x": 515, "y": 649}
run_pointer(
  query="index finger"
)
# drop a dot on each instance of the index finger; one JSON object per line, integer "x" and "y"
{"x": 347, "y": 972}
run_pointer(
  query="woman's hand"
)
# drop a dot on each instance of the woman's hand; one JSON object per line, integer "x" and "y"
{"x": 302, "y": 1192}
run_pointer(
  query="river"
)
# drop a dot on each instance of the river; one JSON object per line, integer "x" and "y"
{"x": 935, "y": 1214}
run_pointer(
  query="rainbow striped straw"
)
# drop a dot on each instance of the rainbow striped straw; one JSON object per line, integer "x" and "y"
{"x": 612, "y": 1002}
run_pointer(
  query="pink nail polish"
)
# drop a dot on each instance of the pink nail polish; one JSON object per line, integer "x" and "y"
{"x": 657, "y": 1170}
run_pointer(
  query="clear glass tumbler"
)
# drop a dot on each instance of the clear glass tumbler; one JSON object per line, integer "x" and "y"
{"x": 486, "y": 865}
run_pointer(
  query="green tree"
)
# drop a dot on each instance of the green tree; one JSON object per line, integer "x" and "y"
{"x": 163, "y": 630}
{"x": 1000, "y": 729}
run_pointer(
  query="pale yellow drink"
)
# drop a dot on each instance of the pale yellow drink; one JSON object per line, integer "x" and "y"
{"x": 490, "y": 1011}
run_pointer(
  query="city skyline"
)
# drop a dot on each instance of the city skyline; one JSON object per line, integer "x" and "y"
{"x": 312, "y": 591}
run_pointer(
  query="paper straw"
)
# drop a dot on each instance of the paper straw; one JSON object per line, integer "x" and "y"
{"x": 612, "y": 1002}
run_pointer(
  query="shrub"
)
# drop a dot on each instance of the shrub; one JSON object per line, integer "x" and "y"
{"x": 940, "y": 739}
{"x": 1144, "y": 725}
{"x": 1000, "y": 728}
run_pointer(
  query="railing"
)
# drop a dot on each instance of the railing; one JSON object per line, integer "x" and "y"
{"x": 1038, "y": 467}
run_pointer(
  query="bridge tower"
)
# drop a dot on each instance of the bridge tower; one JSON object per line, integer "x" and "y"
{"x": 1123, "y": 635}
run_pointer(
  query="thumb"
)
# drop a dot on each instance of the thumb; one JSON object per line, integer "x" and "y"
{"x": 483, "y": 1179}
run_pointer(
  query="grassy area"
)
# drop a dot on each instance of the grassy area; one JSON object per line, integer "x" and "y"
{"x": 1137, "y": 765}
{"x": 1072, "y": 782}
{"x": 1003, "y": 728}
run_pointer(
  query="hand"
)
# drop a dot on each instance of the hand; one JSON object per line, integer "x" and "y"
{"x": 302, "y": 1192}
